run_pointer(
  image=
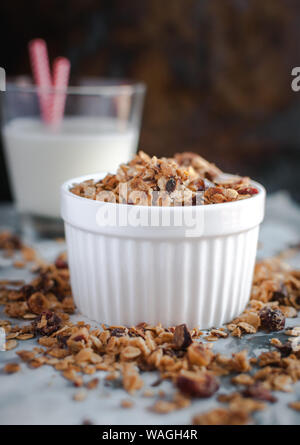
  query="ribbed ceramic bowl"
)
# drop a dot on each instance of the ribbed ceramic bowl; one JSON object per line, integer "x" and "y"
{"x": 172, "y": 265}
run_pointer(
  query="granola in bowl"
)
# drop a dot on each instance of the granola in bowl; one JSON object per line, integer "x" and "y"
{"x": 186, "y": 179}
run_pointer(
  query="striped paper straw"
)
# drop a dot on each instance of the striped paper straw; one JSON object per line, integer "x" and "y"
{"x": 41, "y": 74}
{"x": 61, "y": 72}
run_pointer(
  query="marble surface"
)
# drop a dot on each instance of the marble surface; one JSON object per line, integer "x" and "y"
{"x": 42, "y": 396}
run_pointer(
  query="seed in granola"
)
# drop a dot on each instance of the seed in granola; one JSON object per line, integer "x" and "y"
{"x": 201, "y": 385}
{"x": 259, "y": 392}
{"x": 182, "y": 337}
{"x": 271, "y": 319}
{"x": 171, "y": 185}
{"x": 47, "y": 323}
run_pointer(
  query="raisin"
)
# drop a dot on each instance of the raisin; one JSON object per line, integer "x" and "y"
{"x": 62, "y": 340}
{"x": 199, "y": 184}
{"x": 259, "y": 392}
{"x": 47, "y": 323}
{"x": 118, "y": 332}
{"x": 79, "y": 338}
{"x": 174, "y": 352}
{"x": 61, "y": 264}
{"x": 202, "y": 385}
{"x": 27, "y": 291}
{"x": 171, "y": 185}
{"x": 248, "y": 191}
{"x": 182, "y": 337}
{"x": 281, "y": 295}
{"x": 271, "y": 319}
{"x": 285, "y": 349}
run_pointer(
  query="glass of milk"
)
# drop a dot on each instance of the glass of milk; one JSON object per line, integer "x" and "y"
{"x": 99, "y": 130}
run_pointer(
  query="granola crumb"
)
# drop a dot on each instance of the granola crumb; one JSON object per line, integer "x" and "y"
{"x": 295, "y": 405}
{"x": 126, "y": 403}
{"x": 18, "y": 264}
{"x": 92, "y": 384}
{"x": 79, "y": 396}
{"x": 10, "y": 344}
{"x": 222, "y": 416}
{"x": 148, "y": 393}
{"x": 11, "y": 368}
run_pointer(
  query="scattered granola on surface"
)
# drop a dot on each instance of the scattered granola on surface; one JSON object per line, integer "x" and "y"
{"x": 77, "y": 349}
{"x": 186, "y": 179}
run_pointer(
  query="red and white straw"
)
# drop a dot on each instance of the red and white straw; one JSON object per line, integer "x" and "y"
{"x": 61, "y": 71}
{"x": 41, "y": 74}
{"x": 51, "y": 92}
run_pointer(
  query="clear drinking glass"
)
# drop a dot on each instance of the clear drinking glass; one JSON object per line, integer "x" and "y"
{"x": 99, "y": 130}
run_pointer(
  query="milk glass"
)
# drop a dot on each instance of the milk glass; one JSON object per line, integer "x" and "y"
{"x": 99, "y": 130}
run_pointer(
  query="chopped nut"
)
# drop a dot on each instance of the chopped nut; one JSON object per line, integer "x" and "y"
{"x": 201, "y": 384}
{"x": 182, "y": 337}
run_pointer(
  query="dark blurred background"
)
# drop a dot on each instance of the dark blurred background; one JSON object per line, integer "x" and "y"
{"x": 218, "y": 72}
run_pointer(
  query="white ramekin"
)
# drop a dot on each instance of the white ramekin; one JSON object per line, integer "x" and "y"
{"x": 198, "y": 275}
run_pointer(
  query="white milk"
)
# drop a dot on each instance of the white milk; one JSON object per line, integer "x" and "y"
{"x": 40, "y": 160}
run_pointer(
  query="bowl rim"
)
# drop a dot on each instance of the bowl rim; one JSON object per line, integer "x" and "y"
{"x": 65, "y": 189}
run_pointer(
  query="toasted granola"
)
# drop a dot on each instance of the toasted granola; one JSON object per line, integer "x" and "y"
{"x": 186, "y": 179}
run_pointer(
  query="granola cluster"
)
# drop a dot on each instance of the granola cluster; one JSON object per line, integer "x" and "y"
{"x": 183, "y": 356}
{"x": 186, "y": 179}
